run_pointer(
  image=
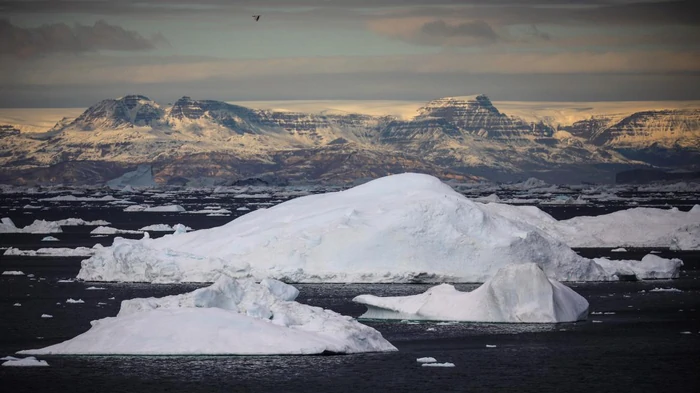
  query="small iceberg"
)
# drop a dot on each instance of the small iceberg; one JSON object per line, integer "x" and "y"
{"x": 516, "y": 294}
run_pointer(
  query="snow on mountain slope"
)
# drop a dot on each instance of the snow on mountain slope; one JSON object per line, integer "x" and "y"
{"x": 453, "y": 133}
{"x": 665, "y": 128}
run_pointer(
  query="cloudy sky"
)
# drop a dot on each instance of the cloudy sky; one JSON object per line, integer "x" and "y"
{"x": 68, "y": 53}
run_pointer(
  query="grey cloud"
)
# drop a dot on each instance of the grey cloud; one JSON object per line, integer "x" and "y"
{"x": 397, "y": 85}
{"x": 479, "y": 30}
{"x": 59, "y": 37}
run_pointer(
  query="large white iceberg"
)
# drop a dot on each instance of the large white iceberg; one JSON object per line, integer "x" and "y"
{"x": 229, "y": 317}
{"x": 401, "y": 228}
{"x": 517, "y": 294}
{"x": 637, "y": 227}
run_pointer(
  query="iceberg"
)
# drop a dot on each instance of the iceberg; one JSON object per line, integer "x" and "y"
{"x": 142, "y": 176}
{"x": 400, "y": 228}
{"x": 636, "y": 227}
{"x": 237, "y": 317}
{"x": 38, "y": 226}
{"x": 52, "y": 252}
{"x": 516, "y": 294}
{"x": 23, "y": 362}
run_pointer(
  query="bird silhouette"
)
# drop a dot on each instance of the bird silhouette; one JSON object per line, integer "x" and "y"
{"x": 256, "y": 17}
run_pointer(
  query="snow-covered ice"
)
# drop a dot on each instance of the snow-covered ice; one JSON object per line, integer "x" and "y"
{"x": 52, "y": 252}
{"x": 665, "y": 290}
{"x": 38, "y": 226}
{"x": 636, "y": 227}
{"x": 165, "y": 228}
{"x": 74, "y": 301}
{"x": 46, "y": 316}
{"x": 651, "y": 267}
{"x": 165, "y": 209}
{"x": 446, "y": 364}
{"x": 426, "y": 360}
{"x": 517, "y": 293}
{"x": 30, "y": 361}
{"x": 229, "y": 317}
{"x": 401, "y": 228}
{"x": 620, "y": 249}
{"x": 13, "y": 273}
{"x": 103, "y": 230}
{"x": 49, "y": 239}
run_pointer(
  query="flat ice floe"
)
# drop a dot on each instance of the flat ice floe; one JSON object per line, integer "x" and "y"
{"x": 401, "y": 228}
{"x": 516, "y": 294}
{"x": 42, "y": 226}
{"x": 30, "y": 361}
{"x": 231, "y": 316}
{"x": 52, "y": 252}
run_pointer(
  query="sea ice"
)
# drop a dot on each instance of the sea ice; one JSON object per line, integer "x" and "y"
{"x": 621, "y": 249}
{"x": 229, "y": 317}
{"x": 164, "y": 228}
{"x": 517, "y": 293}
{"x": 38, "y": 226}
{"x": 103, "y": 230}
{"x": 25, "y": 362}
{"x": 165, "y": 209}
{"x": 73, "y": 301}
{"x": 426, "y": 360}
{"x": 52, "y": 252}
{"x": 13, "y": 273}
{"x": 46, "y": 316}
{"x": 438, "y": 364}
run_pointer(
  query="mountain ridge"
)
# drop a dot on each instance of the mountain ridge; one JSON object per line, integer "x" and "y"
{"x": 450, "y": 136}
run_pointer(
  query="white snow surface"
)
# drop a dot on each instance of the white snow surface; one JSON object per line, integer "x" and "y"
{"x": 13, "y": 273}
{"x": 516, "y": 294}
{"x": 229, "y": 317}
{"x": 400, "y": 228}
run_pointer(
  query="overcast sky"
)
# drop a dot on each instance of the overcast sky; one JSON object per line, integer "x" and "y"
{"x": 65, "y": 53}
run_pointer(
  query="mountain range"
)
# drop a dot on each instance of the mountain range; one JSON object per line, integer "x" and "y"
{"x": 462, "y": 138}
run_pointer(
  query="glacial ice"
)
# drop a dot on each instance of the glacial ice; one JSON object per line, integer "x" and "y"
{"x": 229, "y": 317}
{"x": 636, "y": 227}
{"x": 519, "y": 293}
{"x": 400, "y": 228}
{"x": 24, "y": 362}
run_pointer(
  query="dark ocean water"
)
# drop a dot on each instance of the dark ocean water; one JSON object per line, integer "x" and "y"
{"x": 641, "y": 347}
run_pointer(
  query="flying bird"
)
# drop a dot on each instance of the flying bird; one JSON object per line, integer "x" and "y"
{"x": 256, "y": 17}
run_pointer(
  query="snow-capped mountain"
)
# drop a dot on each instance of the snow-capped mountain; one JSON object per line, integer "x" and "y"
{"x": 450, "y": 137}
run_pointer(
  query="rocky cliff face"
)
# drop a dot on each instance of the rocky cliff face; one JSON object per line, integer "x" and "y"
{"x": 449, "y": 137}
{"x": 476, "y": 115}
{"x": 644, "y": 129}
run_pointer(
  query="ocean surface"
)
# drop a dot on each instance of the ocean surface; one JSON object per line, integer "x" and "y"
{"x": 634, "y": 339}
